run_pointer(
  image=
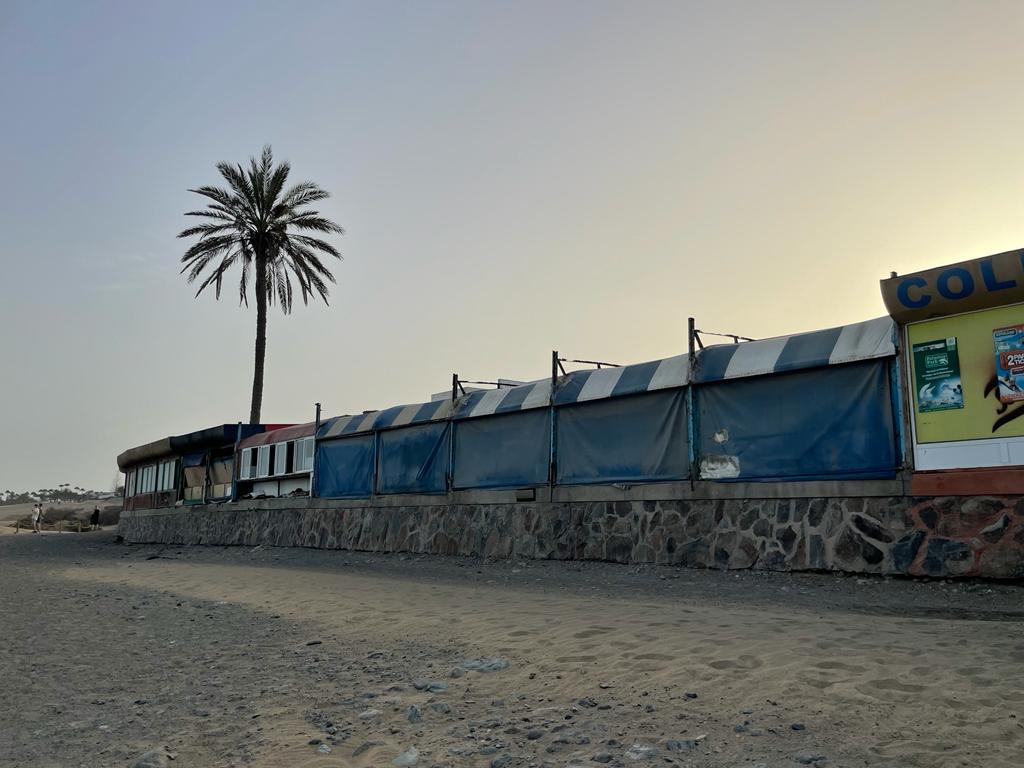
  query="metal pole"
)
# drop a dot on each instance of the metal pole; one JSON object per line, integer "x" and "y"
{"x": 237, "y": 462}
{"x": 455, "y": 387}
{"x": 312, "y": 469}
{"x": 691, "y": 429}
{"x": 552, "y": 451}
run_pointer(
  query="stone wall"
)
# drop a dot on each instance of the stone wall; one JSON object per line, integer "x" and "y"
{"x": 944, "y": 536}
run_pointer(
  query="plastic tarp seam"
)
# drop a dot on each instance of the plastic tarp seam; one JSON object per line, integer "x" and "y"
{"x": 414, "y": 459}
{"x": 506, "y": 451}
{"x": 345, "y": 467}
{"x": 821, "y": 424}
{"x": 641, "y": 438}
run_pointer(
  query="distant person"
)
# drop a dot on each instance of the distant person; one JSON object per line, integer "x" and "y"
{"x": 37, "y": 518}
{"x": 94, "y": 519}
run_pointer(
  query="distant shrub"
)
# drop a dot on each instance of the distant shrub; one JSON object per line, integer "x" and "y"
{"x": 110, "y": 516}
{"x": 53, "y": 516}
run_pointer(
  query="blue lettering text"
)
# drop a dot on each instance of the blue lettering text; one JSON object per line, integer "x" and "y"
{"x": 966, "y": 283}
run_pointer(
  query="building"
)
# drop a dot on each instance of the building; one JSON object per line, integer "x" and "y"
{"x": 895, "y": 445}
{"x": 193, "y": 468}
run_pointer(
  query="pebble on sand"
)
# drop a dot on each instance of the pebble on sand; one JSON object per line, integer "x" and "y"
{"x": 641, "y": 752}
{"x": 154, "y": 758}
{"x": 411, "y": 756}
{"x": 484, "y": 665}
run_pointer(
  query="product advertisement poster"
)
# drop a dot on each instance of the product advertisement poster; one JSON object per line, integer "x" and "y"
{"x": 1009, "y": 344}
{"x": 937, "y": 376}
{"x": 968, "y": 375}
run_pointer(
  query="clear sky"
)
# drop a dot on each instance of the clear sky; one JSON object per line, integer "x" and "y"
{"x": 514, "y": 178}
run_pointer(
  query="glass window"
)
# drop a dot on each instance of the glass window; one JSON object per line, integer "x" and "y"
{"x": 304, "y": 454}
{"x": 168, "y": 475}
{"x": 281, "y": 458}
{"x": 245, "y": 468}
{"x": 263, "y": 461}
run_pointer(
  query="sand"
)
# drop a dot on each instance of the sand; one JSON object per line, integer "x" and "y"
{"x": 244, "y": 657}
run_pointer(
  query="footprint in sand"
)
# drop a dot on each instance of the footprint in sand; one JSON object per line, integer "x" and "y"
{"x": 840, "y": 666}
{"x": 742, "y": 662}
{"x": 874, "y": 687}
{"x": 592, "y": 632}
{"x": 653, "y": 657}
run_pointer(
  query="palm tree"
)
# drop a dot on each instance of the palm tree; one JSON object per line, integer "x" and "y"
{"x": 256, "y": 223}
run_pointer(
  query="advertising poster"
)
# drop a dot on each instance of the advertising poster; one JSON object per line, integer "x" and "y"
{"x": 988, "y": 408}
{"x": 937, "y": 376}
{"x": 1009, "y": 344}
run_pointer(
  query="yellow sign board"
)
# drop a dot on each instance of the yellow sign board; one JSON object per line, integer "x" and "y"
{"x": 975, "y": 403}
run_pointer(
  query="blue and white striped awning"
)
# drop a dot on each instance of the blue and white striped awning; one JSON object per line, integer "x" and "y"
{"x": 580, "y": 386}
{"x": 398, "y": 416}
{"x": 536, "y": 394}
{"x": 833, "y": 346}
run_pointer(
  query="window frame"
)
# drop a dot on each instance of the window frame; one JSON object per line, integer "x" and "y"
{"x": 263, "y": 461}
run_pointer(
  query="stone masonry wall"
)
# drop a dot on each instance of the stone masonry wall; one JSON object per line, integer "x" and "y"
{"x": 947, "y": 536}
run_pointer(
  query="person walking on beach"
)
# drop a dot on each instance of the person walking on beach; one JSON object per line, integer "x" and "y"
{"x": 94, "y": 519}
{"x": 37, "y": 518}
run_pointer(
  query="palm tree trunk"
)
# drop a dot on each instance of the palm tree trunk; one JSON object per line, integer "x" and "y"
{"x": 261, "y": 340}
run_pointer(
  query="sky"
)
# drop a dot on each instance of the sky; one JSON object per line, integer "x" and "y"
{"x": 513, "y": 177}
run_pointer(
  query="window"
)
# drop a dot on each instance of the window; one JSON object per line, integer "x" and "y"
{"x": 245, "y": 469}
{"x": 129, "y": 484}
{"x": 307, "y": 453}
{"x": 281, "y": 458}
{"x": 263, "y": 461}
{"x": 147, "y": 481}
{"x": 167, "y": 475}
{"x": 303, "y": 455}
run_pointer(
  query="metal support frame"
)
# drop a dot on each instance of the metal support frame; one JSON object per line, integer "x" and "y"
{"x": 695, "y": 342}
{"x": 556, "y": 364}
{"x": 458, "y": 389}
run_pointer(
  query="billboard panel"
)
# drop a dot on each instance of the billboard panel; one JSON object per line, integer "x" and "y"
{"x": 985, "y": 352}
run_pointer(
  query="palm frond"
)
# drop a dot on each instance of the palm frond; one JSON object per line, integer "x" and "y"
{"x": 312, "y": 220}
{"x": 316, "y": 244}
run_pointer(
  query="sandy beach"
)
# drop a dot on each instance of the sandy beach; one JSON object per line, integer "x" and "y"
{"x": 232, "y": 657}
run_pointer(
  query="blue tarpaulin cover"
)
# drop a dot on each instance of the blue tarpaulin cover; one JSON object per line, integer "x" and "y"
{"x": 487, "y": 402}
{"x": 414, "y": 459}
{"x": 580, "y": 386}
{"x": 344, "y": 468}
{"x": 833, "y": 346}
{"x": 828, "y": 423}
{"x": 631, "y": 439}
{"x": 397, "y": 416}
{"x": 506, "y": 451}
